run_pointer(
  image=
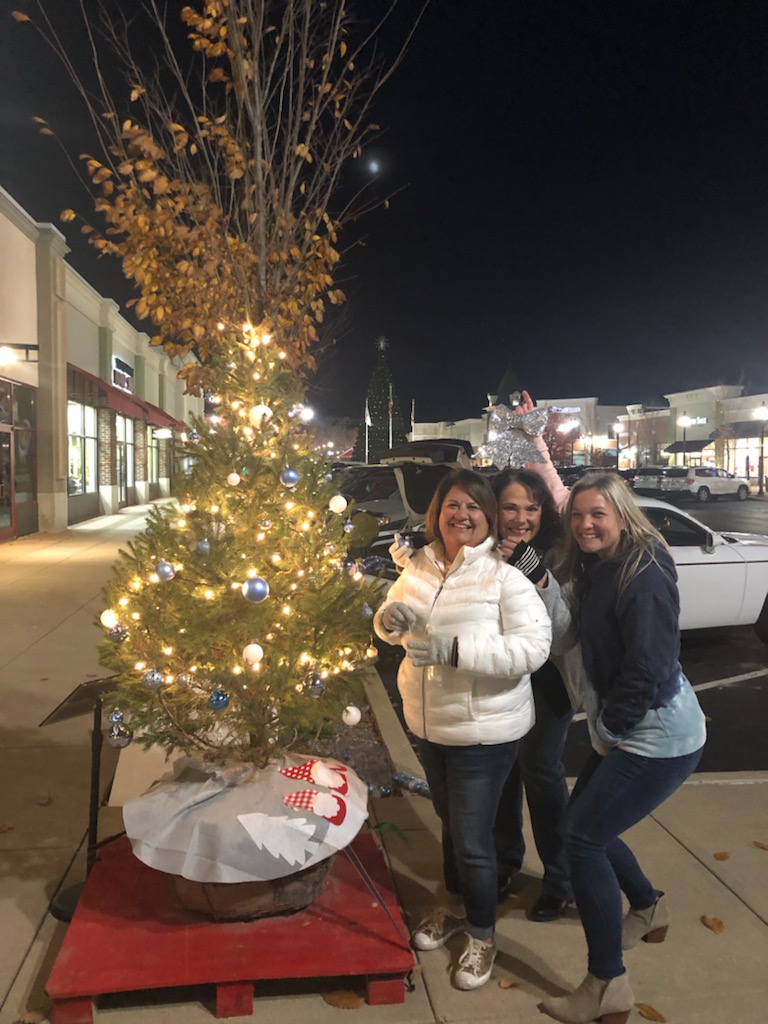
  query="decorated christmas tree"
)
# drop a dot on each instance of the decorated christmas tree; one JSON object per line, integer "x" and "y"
{"x": 236, "y": 624}
{"x": 383, "y": 421}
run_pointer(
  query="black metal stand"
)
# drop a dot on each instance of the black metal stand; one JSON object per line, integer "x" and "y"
{"x": 81, "y": 699}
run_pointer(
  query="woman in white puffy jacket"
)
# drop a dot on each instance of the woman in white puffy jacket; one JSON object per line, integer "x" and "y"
{"x": 473, "y": 628}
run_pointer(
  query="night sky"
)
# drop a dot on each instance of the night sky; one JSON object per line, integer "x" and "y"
{"x": 583, "y": 197}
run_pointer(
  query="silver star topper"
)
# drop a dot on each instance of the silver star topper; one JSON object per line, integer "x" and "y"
{"x": 509, "y": 435}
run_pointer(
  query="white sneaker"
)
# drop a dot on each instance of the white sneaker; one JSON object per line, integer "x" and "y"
{"x": 475, "y": 963}
{"x": 435, "y": 930}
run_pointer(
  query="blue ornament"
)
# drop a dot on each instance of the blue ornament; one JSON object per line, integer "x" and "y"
{"x": 118, "y": 736}
{"x": 367, "y": 611}
{"x": 116, "y": 715}
{"x": 204, "y": 546}
{"x": 218, "y": 700}
{"x": 350, "y": 566}
{"x": 118, "y": 634}
{"x": 289, "y": 477}
{"x": 315, "y": 686}
{"x": 153, "y": 679}
{"x": 193, "y": 435}
{"x": 255, "y": 589}
{"x": 165, "y": 571}
{"x": 348, "y": 526}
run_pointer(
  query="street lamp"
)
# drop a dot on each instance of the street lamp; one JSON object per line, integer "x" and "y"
{"x": 762, "y": 415}
{"x": 616, "y": 434}
{"x": 685, "y": 421}
{"x": 569, "y": 427}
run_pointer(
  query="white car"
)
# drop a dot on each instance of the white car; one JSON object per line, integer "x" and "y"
{"x": 722, "y": 577}
{"x": 702, "y": 483}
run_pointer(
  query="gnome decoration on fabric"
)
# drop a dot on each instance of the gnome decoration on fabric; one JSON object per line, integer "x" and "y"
{"x": 245, "y": 824}
{"x": 509, "y": 436}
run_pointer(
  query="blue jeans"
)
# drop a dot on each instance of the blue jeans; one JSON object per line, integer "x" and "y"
{"x": 539, "y": 767}
{"x": 611, "y": 795}
{"x": 466, "y": 784}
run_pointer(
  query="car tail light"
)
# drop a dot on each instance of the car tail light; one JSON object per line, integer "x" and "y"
{"x": 689, "y": 482}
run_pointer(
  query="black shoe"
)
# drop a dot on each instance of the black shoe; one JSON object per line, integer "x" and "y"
{"x": 508, "y": 884}
{"x": 548, "y": 908}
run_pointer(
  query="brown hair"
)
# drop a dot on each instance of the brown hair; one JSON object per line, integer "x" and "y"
{"x": 476, "y": 486}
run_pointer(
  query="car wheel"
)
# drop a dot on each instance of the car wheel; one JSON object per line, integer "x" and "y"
{"x": 703, "y": 494}
{"x": 743, "y": 493}
{"x": 761, "y": 626}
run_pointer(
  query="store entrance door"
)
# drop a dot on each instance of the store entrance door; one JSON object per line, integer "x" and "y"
{"x": 7, "y": 524}
{"x": 122, "y": 476}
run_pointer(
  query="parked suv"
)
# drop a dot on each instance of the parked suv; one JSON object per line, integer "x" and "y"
{"x": 647, "y": 480}
{"x": 702, "y": 483}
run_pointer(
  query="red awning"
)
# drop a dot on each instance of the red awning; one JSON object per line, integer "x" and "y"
{"x": 130, "y": 405}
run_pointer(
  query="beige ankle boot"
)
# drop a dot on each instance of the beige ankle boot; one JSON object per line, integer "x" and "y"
{"x": 609, "y": 1002}
{"x": 650, "y": 925}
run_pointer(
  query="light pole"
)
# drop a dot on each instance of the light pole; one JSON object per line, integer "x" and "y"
{"x": 685, "y": 421}
{"x": 569, "y": 427}
{"x": 617, "y": 436}
{"x": 762, "y": 415}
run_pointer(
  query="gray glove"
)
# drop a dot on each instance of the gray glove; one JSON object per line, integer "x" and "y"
{"x": 398, "y": 618}
{"x": 436, "y": 649}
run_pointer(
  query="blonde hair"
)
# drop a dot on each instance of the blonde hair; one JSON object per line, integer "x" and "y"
{"x": 638, "y": 537}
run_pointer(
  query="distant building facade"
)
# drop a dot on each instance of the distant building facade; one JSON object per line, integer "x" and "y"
{"x": 88, "y": 411}
{"x": 717, "y": 425}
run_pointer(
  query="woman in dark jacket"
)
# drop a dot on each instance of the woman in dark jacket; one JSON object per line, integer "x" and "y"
{"x": 646, "y": 727}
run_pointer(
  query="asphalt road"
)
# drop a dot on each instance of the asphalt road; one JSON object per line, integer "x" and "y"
{"x": 728, "y": 668}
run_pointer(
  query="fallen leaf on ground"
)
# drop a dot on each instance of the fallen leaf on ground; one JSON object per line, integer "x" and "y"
{"x": 713, "y": 923}
{"x": 723, "y": 855}
{"x": 6, "y": 826}
{"x": 45, "y": 800}
{"x": 344, "y": 999}
{"x": 759, "y": 845}
{"x": 508, "y": 983}
{"x": 649, "y": 1013}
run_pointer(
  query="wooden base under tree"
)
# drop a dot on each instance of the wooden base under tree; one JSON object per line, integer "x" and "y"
{"x": 128, "y": 934}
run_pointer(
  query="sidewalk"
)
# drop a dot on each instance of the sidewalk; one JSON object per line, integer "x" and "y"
{"x": 50, "y": 595}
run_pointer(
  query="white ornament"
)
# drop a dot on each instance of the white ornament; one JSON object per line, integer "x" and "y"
{"x": 259, "y": 415}
{"x": 233, "y": 479}
{"x": 338, "y": 504}
{"x": 253, "y": 654}
{"x": 351, "y": 715}
{"x": 109, "y": 618}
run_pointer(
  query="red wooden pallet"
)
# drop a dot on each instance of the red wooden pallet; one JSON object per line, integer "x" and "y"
{"x": 128, "y": 934}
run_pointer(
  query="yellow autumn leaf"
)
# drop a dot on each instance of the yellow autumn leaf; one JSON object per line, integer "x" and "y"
{"x": 20, "y": 16}
{"x": 67, "y": 215}
{"x": 650, "y": 1013}
{"x": 137, "y": 91}
{"x": 713, "y": 923}
{"x": 343, "y": 48}
{"x": 508, "y": 983}
{"x": 759, "y": 845}
{"x": 39, "y": 120}
{"x": 722, "y": 855}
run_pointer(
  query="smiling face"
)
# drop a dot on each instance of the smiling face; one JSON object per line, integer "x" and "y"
{"x": 519, "y": 514}
{"x": 595, "y": 524}
{"x": 461, "y": 521}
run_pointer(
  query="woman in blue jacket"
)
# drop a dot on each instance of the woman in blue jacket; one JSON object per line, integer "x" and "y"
{"x": 646, "y": 727}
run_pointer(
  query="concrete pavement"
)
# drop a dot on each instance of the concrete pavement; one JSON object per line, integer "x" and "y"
{"x": 49, "y": 596}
